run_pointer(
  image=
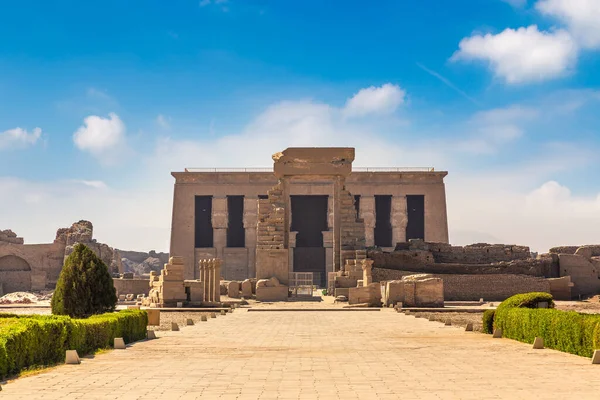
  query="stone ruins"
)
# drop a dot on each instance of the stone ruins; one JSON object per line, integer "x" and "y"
{"x": 34, "y": 267}
{"x": 170, "y": 289}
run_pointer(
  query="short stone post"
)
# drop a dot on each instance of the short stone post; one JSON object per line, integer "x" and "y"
{"x": 150, "y": 335}
{"x": 203, "y": 318}
{"x": 469, "y": 327}
{"x": 538, "y": 343}
{"x": 71, "y": 357}
{"x": 497, "y": 333}
{"x": 189, "y": 322}
{"x": 119, "y": 343}
{"x": 174, "y": 326}
{"x": 223, "y": 312}
{"x": 448, "y": 322}
{"x": 596, "y": 357}
{"x": 213, "y": 315}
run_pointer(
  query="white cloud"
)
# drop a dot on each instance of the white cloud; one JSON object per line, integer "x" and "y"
{"x": 375, "y": 100}
{"x": 163, "y": 121}
{"x": 516, "y": 3}
{"x": 98, "y": 135}
{"x": 582, "y": 17}
{"x": 522, "y": 55}
{"x": 19, "y": 138}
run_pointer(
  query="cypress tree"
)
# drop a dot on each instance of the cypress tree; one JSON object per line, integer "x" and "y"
{"x": 84, "y": 287}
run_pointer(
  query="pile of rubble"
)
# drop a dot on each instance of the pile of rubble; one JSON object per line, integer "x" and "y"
{"x": 26, "y": 297}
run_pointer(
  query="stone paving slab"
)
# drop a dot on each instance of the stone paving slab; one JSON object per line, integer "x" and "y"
{"x": 318, "y": 355}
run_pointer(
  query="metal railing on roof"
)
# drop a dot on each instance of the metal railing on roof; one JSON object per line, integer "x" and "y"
{"x": 229, "y": 170}
{"x": 355, "y": 169}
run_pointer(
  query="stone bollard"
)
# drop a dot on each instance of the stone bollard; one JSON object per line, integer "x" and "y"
{"x": 538, "y": 343}
{"x": 153, "y": 317}
{"x": 213, "y": 315}
{"x": 469, "y": 327}
{"x": 448, "y": 322}
{"x": 119, "y": 343}
{"x": 497, "y": 333}
{"x": 596, "y": 357}
{"x": 151, "y": 335}
{"x": 189, "y": 322}
{"x": 223, "y": 312}
{"x": 174, "y": 326}
{"x": 203, "y": 318}
{"x": 179, "y": 304}
{"x": 71, "y": 357}
{"x": 431, "y": 318}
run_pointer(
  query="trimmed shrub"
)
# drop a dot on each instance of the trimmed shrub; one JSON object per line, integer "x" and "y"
{"x": 488, "y": 321}
{"x": 32, "y": 340}
{"x": 84, "y": 286}
{"x": 566, "y": 331}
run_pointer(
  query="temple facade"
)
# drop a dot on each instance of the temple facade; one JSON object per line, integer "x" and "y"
{"x": 216, "y": 211}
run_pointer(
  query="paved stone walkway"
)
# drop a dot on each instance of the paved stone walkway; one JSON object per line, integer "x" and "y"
{"x": 319, "y": 355}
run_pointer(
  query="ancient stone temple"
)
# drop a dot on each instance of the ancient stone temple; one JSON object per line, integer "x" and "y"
{"x": 310, "y": 213}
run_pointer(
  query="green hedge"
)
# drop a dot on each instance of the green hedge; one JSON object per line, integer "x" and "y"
{"x": 566, "y": 331}
{"x": 488, "y": 321}
{"x": 34, "y": 340}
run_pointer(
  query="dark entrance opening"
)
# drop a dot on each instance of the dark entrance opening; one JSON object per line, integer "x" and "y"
{"x": 415, "y": 205}
{"x": 383, "y": 223}
{"x": 236, "y": 234}
{"x": 309, "y": 219}
{"x": 203, "y": 222}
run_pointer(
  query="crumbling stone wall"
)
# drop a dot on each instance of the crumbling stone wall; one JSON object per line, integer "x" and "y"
{"x": 593, "y": 249}
{"x": 473, "y": 287}
{"x": 9, "y": 236}
{"x": 478, "y": 253}
{"x": 82, "y": 232}
{"x": 271, "y": 220}
{"x": 420, "y": 262}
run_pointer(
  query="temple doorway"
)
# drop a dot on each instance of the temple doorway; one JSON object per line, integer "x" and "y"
{"x": 309, "y": 219}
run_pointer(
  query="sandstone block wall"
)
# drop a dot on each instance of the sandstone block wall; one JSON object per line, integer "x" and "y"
{"x": 479, "y": 253}
{"x": 473, "y": 287}
{"x": 420, "y": 261}
{"x": 135, "y": 286}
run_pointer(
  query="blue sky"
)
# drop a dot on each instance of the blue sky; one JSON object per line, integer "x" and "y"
{"x": 99, "y": 101}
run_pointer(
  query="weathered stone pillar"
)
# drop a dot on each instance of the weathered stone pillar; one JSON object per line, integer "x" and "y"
{"x": 292, "y": 248}
{"x": 367, "y": 214}
{"x": 328, "y": 244}
{"x": 217, "y": 280}
{"x": 330, "y": 213}
{"x": 220, "y": 222}
{"x": 202, "y": 268}
{"x": 367, "y": 267}
{"x": 399, "y": 219}
{"x": 338, "y": 184}
{"x": 250, "y": 223}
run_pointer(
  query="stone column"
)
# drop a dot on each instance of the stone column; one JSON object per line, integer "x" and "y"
{"x": 338, "y": 184}
{"x": 367, "y": 213}
{"x": 250, "y": 225}
{"x": 399, "y": 219}
{"x": 367, "y": 267}
{"x": 217, "y": 280}
{"x": 330, "y": 213}
{"x": 202, "y": 268}
{"x": 292, "y": 247}
{"x": 220, "y": 222}
{"x": 329, "y": 261}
